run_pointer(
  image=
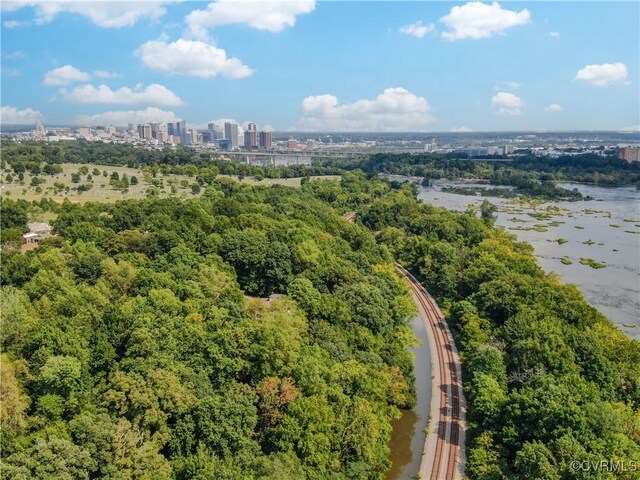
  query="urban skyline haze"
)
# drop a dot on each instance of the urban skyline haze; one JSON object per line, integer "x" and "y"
{"x": 324, "y": 66}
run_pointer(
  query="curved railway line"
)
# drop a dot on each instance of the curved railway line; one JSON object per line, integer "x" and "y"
{"x": 443, "y": 455}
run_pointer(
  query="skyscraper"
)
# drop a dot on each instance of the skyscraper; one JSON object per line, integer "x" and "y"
{"x": 181, "y": 131}
{"x": 231, "y": 133}
{"x": 251, "y": 136}
{"x": 265, "y": 140}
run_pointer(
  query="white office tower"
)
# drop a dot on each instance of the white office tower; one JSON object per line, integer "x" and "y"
{"x": 231, "y": 133}
{"x": 240, "y": 137}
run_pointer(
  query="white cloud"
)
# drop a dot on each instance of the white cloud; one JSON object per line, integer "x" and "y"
{"x": 507, "y": 104}
{"x": 13, "y": 116}
{"x": 121, "y": 118}
{"x": 111, "y": 14}
{"x": 554, "y": 34}
{"x": 461, "y": 130}
{"x": 632, "y": 129}
{"x": 506, "y": 84}
{"x": 554, "y": 107}
{"x": 602, "y": 74}
{"x": 190, "y": 57}
{"x": 64, "y": 76}
{"x": 395, "y": 109}
{"x": 105, "y": 74}
{"x": 418, "y": 29}
{"x": 153, "y": 94}
{"x": 272, "y": 16}
{"x": 481, "y": 20}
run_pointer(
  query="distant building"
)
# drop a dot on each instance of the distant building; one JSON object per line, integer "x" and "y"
{"x": 208, "y": 136}
{"x": 225, "y": 144}
{"x": 84, "y": 131}
{"x": 178, "y": 129}
{"x": 265, "y": 140}
{"x": 292, "y": 144}
{"x": 251, "y": 136}
{"x": 629, "y": 154}
{"x": 231, "y": 133}
{"x": 37, "y": 232}
{"x": 145, "y": 131}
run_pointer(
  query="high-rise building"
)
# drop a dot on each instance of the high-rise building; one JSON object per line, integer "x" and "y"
{"x": 265, "y": 140}
{"x": 144, "y": 131}
{"x": 251, "y": 138}
{"x": 629, "y": 154}
{"x": 240, "y": 136}
{"x": 231, "y": 133}
{"x": 181, "y": 131}
{"x": 193, "y": 136}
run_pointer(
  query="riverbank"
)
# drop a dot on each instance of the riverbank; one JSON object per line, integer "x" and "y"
{"x": 601, "y": 229}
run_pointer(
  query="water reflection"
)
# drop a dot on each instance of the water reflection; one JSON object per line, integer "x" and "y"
{"x": 409, "y": 431}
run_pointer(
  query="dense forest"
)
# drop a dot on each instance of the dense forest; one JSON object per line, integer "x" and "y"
{"x": 140, "y": 344}
{"x": 254, "y": 333}
{"x": 531, "y": 175}
{"x": 549, "y": 380}
{"x": 43, "y": 158}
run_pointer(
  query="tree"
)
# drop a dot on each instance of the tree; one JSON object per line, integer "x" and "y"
{"x": 487, "y": 211}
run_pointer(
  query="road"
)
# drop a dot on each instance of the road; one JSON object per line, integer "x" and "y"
{"x": 443, "y": 456}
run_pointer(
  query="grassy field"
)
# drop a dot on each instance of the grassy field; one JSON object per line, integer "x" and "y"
{"x": 101, "y": 191}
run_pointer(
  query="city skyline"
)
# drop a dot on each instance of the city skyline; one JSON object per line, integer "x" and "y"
{"x": 324, "y": 66}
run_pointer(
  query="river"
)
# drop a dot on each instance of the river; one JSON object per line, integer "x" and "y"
{"x": 599, "y": 229}
{"x": 606, "y": 229}
{"x": 409, "y": 431}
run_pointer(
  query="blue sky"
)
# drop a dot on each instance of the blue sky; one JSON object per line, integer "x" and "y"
{"x": 325, "y": 66}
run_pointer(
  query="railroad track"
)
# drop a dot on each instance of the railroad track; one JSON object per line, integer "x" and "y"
{"x": 443, "y": 455}
{"x": 447, "y": 459}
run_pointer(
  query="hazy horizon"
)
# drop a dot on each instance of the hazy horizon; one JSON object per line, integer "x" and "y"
{"x": 310, "y": 66}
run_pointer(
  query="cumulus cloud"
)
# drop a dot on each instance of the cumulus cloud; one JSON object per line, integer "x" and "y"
{"x": 461, "y": 130}
{"x": 272, "y": 16}
{"x": 481, "y": 20}
{"x": 417, "y": 29}
{"x": 554, "y": 34}
{"x": 190, "y": 57}
{"x": 66, "y": 75}
{"x": 631, "y": 129}
{"x": 122, "y": 118}
{"x": 13, "y": 116}
{"x": 394, "y": 110}
{"x": 554, "y": 107}
{"x": 603, "y": 74}
{"x": 153, "y": 94}
{"x": 113, "y": 14}
{"x": 507, "y": 104}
